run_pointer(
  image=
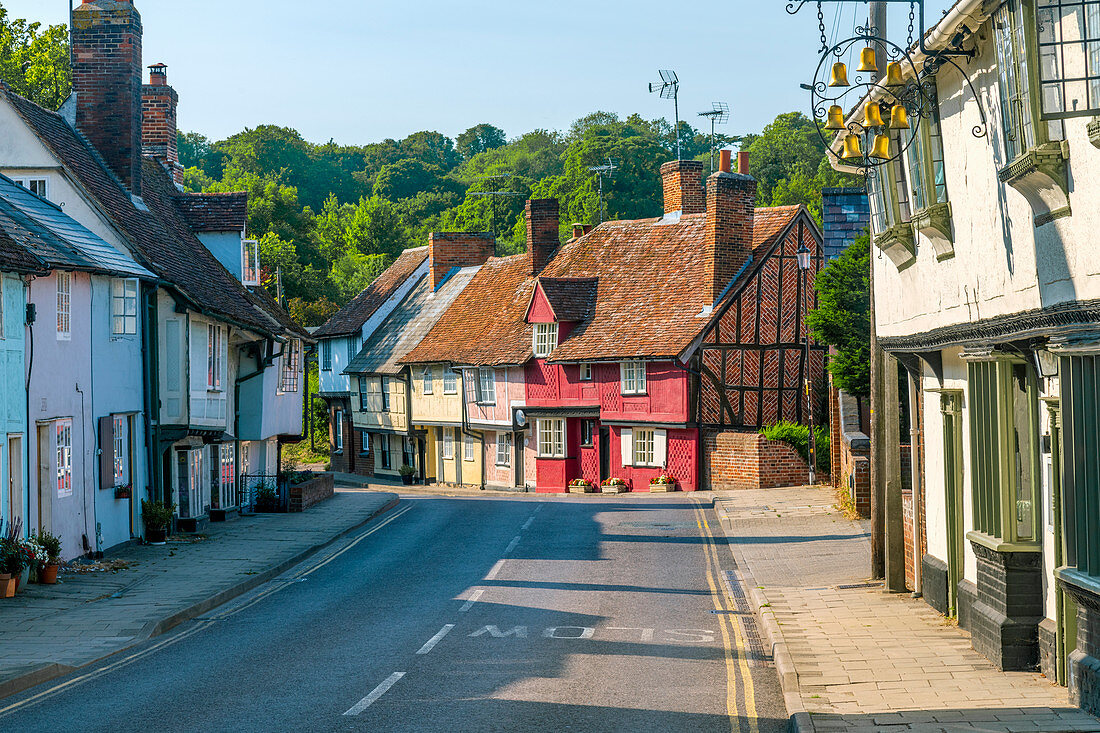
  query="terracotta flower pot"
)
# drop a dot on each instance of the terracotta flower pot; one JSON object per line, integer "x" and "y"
{"x": 7, "y": 585}
{"x": 48, "y": 574}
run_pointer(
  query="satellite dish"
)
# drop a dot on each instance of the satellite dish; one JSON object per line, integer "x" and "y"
{"x": 521, "y": 418}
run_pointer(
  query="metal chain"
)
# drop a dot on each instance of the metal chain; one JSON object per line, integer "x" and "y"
{"x": 912, "y": 17}
{"x": 821, "y": 27}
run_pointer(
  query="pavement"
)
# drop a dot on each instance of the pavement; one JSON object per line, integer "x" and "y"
{"x": 51, "y": 630}
{"x": 851, "y": 657}
{"x": 465, "y": 613}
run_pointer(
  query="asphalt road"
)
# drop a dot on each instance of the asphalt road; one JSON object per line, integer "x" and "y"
{"x": 458, "y": 614}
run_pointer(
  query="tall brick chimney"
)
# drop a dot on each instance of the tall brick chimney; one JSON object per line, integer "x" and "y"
{"x": 158, "y": 121}
{"x": 106, "y": 46}
{"x": 542, "y": 232}
{"x": 447, "y": 250}
{"x": 731, "y": 206}
{"x": 683, "y": 184}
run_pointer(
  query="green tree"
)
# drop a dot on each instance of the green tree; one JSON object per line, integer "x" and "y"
{"x": 479, "y": 139}
{"x": 406, "y": 178}
{"x": 34, "y": 61}
{"x": 843, "y": 317}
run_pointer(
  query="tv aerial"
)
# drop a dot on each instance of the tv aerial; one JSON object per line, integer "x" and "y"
{"x": 608, "y": 169}
{"x": 669, "y": 88}
{"x": 493, "y": 196}
{"x": 719, "y": 114}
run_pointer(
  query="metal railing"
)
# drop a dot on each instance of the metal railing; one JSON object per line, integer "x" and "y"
{"x": 263, "y": 492}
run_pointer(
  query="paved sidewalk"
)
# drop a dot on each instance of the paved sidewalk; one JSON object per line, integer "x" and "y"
{"x": 853, "y": 658}
{"x": 49, "y": 630}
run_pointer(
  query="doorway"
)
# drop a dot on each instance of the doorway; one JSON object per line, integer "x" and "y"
{"x": 45, "y": 479}
{"x": 15, "y": 477}
{"x": 605, "y": 453}
{"x": 517, "y": 460}
{"x": 951, "y": 408}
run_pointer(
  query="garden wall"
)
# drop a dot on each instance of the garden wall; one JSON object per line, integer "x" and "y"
{"x": 314, "y": 491}
{"x": 741, "y": 460}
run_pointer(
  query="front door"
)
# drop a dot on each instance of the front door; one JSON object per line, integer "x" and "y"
{"x": 605, "y": 453}
{"x": 46, "y": 477}
{"x": 951, "y": 407}
{"x": 1065, "y": 608}
{"x": 15, "y": 478}
{"x": 517, "y": 459}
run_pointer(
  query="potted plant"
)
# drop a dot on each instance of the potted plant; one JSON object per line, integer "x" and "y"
{"x": 581, "y": 486}
{"x": 157, "y": 516}
{"x": 17, "y": 561}
{"x": 614, "y": 485}
{"x": 406, "y": 472}
{"x": 664, "y": 482}
{"x": 267, "y": 496}
{"x": 51, "y": 544}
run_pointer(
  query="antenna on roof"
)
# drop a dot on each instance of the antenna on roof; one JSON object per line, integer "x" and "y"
{"x": 669, "y": 88}
{"x": 493, "y": 195}
{"x": 719, "y": 114}
{"x": 600, "y": 171}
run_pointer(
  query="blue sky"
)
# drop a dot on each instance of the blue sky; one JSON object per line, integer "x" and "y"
{"x": 359, "y": 71}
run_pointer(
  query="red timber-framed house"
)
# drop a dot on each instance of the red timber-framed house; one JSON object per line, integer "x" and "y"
{"x": 648, "y": 347}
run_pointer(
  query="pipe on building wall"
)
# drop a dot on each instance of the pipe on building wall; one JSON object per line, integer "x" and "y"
{"x": 915, "y": 452}
{"x": 29, "y": 318}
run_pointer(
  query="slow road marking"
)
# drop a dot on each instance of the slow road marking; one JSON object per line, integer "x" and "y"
{"x": 376, "y": 693}
{"x": 430, "y": 644}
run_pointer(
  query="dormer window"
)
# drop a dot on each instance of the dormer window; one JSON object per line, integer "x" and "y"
{"x": 38, "y": 186}
{"x": 545, "y": 338}
{"x": 250, "y": 262}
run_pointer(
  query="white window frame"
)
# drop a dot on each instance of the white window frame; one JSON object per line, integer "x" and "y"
{"x": 504, "y": 449}
{"x": 64, "y": 305}
{"x": 120, "y": 441}
{"x": 551, "y": 437}
{"x": 427, "y": 380}
{"x": 214, "y": 357}
{"x": 364, "y": 442}
{"x": 63, "y": 436}
{"x": 364, "y": 394}
{"x": 586, "y": 372}
{"x": 644, "y": 450}
{"x": 227, "y": 475}
{"x": 468, "y": 451}
{"x": 632, "y": 377}
{"x": 250, "y": 262}
{"x": 448, "y": 444}
{"x": 124, "y": 306}
{"x": 450, "y": 382}
{"x": 544, "y": 339}
{"x": 326, "y": 355}
{"x": 289, "y": 374}
{"x": 338, "y": 429}
{"x": 486, "y": 386}
{"x": 39, "y": 186}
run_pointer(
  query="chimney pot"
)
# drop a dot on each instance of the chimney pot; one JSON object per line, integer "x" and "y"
{"x": 724, "y": 161}
{"x": 578, "y": 230}
{"x": 542, "y": 232}
{"x": 743, "y": 163}
{"x": 158, "y": 75}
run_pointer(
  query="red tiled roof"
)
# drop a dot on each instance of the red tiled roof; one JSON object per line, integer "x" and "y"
{"x": 571, "y": 298}
{"x": 159, "y": 235}
{"x": 351, "y": 317}
{"x": 214, "y": 212}
{"x": 650, "y": 301}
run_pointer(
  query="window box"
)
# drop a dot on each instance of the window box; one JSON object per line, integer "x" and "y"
{"x": 615, "y": 486}
{"x": 934, "y": 223}
{"x": 897, "y": 242}
{"x": 662, "y": 483}
{"x": 124, "y": 492}
{"x": 581, "y": 486}
{"x": 1040, "y": 177}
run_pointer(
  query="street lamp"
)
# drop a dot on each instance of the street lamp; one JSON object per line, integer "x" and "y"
{"x": 803, "y": 256}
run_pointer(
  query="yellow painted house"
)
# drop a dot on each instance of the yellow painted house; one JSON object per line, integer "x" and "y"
{"x": 452, "y": 455}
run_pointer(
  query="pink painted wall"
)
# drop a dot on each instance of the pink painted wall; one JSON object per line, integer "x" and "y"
{"x": 666, "y": 399}
{"x": 509, "y": 387}
{"x": 494, "y": 474}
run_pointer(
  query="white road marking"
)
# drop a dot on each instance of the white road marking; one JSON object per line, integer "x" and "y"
{"x": 586, "y": 632}
{"x": 519, "y": 632}
{"x": 512, "y": 545}
{"x": 495, "y": 569}
{"x": 430, "y": 644}
{"x": 529, "y": 520}
{"x": 647, "y": 634}
{"x": 376, "y": 693}
{"x": 471, "y": 601}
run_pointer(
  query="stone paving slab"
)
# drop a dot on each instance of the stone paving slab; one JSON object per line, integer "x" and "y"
{"x": 49, "y": 630}
{"x": 861, "y": 659}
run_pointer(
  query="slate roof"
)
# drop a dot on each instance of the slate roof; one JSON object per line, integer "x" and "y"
{"x": 16, "y": 258}
{"x": 214, "y": 212}
{"x": 59, "y": 240}
{"x": 571, "y": 298}
{"x": 649, "y": 305}
{"x": 409, "y": 322}
{"x": 161, "y": 238}
{"x": 349, "y": 319}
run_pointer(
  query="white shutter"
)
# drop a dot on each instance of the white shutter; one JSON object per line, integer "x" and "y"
{"x": 626, "y": 443}
{"x": 660, "y": 447}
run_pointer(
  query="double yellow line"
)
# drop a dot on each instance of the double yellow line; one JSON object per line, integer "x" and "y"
{"x": 738, "y": 674}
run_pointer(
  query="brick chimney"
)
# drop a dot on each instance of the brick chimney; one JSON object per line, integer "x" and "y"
{"x": 447, "y": 250}
{"x": 542, "y": 232}
{"x": 158, "y": 121}
{"x": 106, "y": 46}
{"x": 683, "y": 184}
{"x": 731, "y": 205}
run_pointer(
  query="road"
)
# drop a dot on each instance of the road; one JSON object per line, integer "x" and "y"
{"x": 458, "y": 614}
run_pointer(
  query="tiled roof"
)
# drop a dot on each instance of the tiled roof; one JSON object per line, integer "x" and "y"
{"x": 650, "y": 301}
{"x": 159, "y": 234}
{"x": 272, "y": 308}
{"x": 571, "y": 298}
{"x": 214, "y": 212}
{"x": 21, "y": 231}
{"x": 16, "y": 253}
{"x": 70, "y": 243}
{"x": 485, "y": 325}
{"x": 410, "y": 322}
{"x": 351, "y": 317}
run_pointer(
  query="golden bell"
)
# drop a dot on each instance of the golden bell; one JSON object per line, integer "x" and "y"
{"x": 867, "y": 60}
{"x": 899, "y": 118}
{"x": 851, "y": 148}
{"x": 893, "y": 74}
{"x": 836, "y": 118}
{"x": 840, "y": 75}
{"x": 881, "y": 148}
{"x": 872, "y": 115}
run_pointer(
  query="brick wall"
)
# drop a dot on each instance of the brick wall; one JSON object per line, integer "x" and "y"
{"x": 542, "y": 232}
{"x": 314, "y": 491}
{"x": 682, "y": 181}
{"x": 741, "y": 460}
{"x": 447, "y": 250}
{"x": 851, "y": 449}
{"x": 158, "y": 126}
{"x": 106, "y": 47}
{"x": 351, "y": 459}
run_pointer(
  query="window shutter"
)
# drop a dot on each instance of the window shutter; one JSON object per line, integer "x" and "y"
{"x": 106, "y": 452}
{"x": 626, "y": 443}
{"x": 660, "y": 447}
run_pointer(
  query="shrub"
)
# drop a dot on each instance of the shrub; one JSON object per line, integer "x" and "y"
{"x": 157, "y": 514}
{"x": 798, "y": 437}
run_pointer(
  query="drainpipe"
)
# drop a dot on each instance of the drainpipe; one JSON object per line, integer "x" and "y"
{"x": 29, "y": 319}
{"x": 914, "y": 469}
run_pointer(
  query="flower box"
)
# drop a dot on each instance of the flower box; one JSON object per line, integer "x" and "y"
{"x": 614, "y": 486}
{"x": 581, "y": 486}
{"x": 123, "y": 492}
{"x": 662, "y": 483}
